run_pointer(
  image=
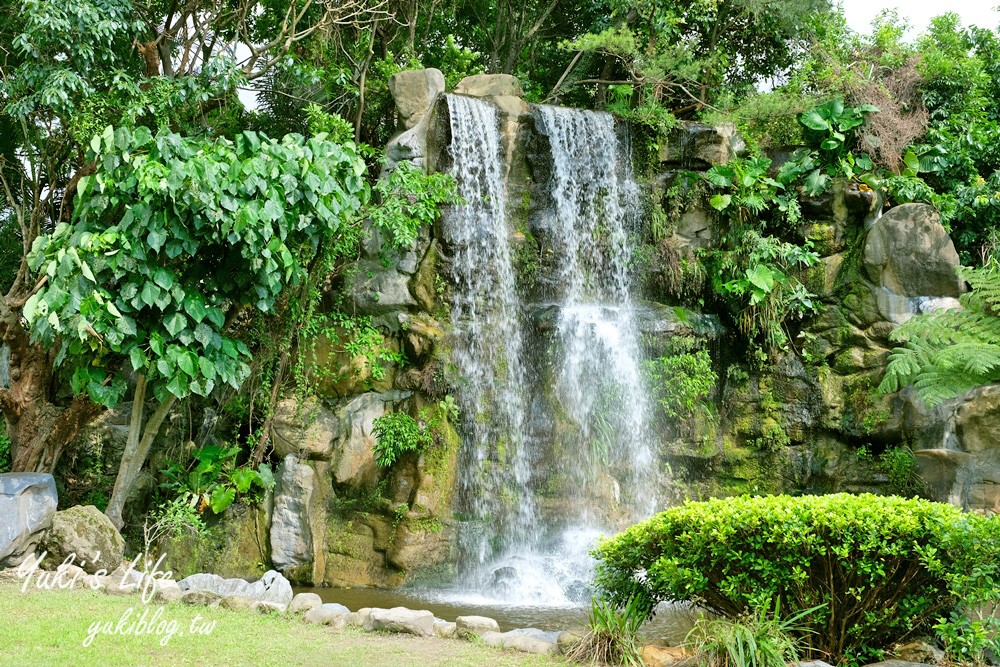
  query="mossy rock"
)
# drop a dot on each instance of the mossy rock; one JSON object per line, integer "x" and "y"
{"x": 236, "y": 546}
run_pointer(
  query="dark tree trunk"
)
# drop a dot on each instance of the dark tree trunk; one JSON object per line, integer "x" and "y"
{"x": 39, "y": 430}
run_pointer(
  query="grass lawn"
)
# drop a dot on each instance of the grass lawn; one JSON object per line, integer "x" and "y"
{"x": 49, "y": 628}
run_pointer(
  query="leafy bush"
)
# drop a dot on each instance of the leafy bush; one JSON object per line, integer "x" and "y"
{"x": 682, "y": 383}
{"x": 758, "y": 639}
{"x": 215, "y": 480}
{"x": 613, "y": 635}
{"x": 174, "y": 518}
{"x": 884, "y": 567}
{"x": 395, "y": 434}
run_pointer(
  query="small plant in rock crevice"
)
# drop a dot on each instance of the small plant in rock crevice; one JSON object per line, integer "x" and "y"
{"x": 397, "y": 433}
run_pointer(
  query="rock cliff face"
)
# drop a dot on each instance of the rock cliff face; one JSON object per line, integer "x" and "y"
{"x": 806, "y": 420}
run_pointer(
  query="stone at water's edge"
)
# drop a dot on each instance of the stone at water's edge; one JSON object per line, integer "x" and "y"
{"x": 526, "y": 640}
{"x": 468, "y": 626}
{"x": 304, "y": 602}
{"x": 86, "y": 532}
{"x": 328, "y": 614}
{"x": 444, "y": 629}
{"x": 27, "y": 504}
{"x": 664, "y": 656}
{"x": 401, "y": 619}
{"x": 568, "y": 639}
{"x": 898, "y": 663}
{"x": 272, "y": 587}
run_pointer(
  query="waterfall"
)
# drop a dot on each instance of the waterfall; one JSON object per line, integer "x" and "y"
{"x": 599, "y": 383}
{"x": 594, "y": 417}
{"x": 488, "y": 350}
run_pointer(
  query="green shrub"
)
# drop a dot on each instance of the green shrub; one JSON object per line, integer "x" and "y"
{"x": 760, "y": 638}
{"x": 682, "y": 383}
{"x": 395, "y": 434}
{"x": 885, "y": 568}
{"x": 613, "y": 635}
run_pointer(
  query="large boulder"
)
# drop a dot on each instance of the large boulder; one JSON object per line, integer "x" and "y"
{"x": 354, "y": 452}
{"x": 304, "y": 428}
{"x": 272, "y": 587}
{"x": 490, "y": 85}
{"x": 908, "y": 251}
{"x": 414, "y": 92}
{"x": 84, "y": 531}
{"x": 291, "y": 537}
{"x": 27, "y": 504}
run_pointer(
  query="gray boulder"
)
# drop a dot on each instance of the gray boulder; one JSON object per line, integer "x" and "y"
{"x": 403, "y": 620}
{"x": 414, "y": 91}
{"x": 237, "y": 603}
{"x": 291, "y": 539}
{"x": 467, "y": 626}
{"x": 304, "y": 602}
{"x": 328, "y": 614}
{"x": 272, "y": 587}
{"x": 526, "y": 640}
{"x": 304, "y": 428}
{"x": 201, "y": 598}
{"x": 27, "y": 504}
{"x": 490, "y": 85}
{"x": 84, "y": 531}
{"x": 444, "y": 629}
{"x": 908, "y": 251}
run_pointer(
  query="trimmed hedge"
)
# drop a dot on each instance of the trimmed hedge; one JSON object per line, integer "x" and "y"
{"x": 883, "y": 568}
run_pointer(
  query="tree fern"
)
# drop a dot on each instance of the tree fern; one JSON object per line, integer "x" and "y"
{"x": 950, "y": 351}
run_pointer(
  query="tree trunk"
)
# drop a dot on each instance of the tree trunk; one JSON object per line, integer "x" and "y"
{"x": 136, "y": 450}
{"x": 39, "y": 430}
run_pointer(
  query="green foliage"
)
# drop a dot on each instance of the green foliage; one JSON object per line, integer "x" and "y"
{"x": 966, "y": 641}
{"x": 675, "y": 55}
{"x": 682, "y": 383}
{"x": 397, "y": 433}
{"x": 829, "y": 126}
{"x": 66, "y": 47}
{"x": 759, "y": 638}
{"x": 613, "y": 638}
{"x": 946, "y": 352}
{"x": 900, "y": 466}
{"x": 5, "y": 453}
{"x": 176, "y": 517}
{"x": 874, "y": 570}
{"x": 214, "y": 480}
{"x": 169, "y": 235}
{"x": 409, "y": 199}
{"x": 756, "y": 279}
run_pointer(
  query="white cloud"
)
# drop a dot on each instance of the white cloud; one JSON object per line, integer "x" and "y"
{"x": 919, "y": 12}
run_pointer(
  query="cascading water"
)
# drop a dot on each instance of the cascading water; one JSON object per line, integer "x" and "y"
{"x": 488, "y": 350}
{"x": 599, "y": 383}
{"x": 593, "y": 425}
